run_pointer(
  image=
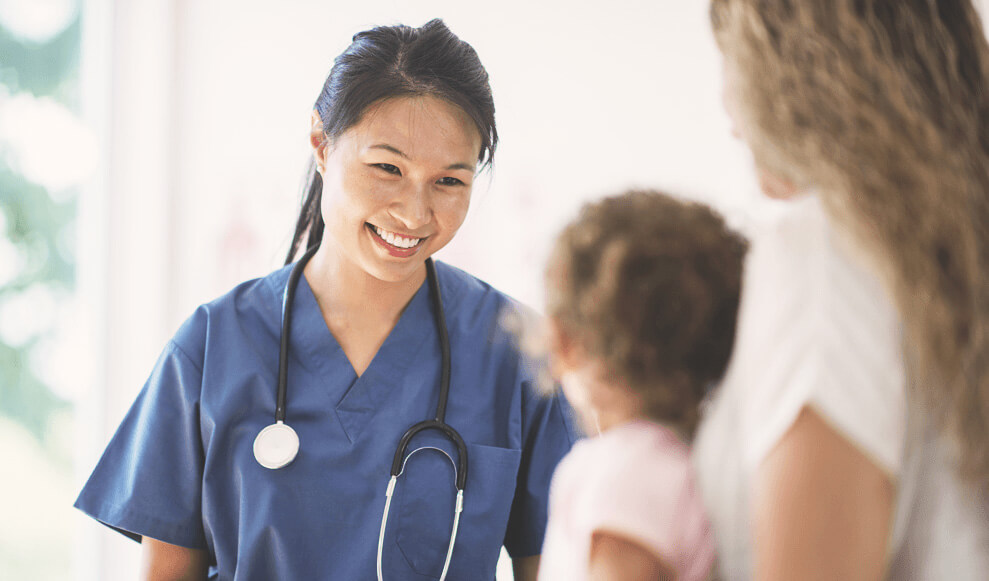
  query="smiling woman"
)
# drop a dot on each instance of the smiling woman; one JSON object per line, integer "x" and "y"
{"x": 376, "y": 201}
{"x": 396, "y": 186}
{"x": 403, "y": 122}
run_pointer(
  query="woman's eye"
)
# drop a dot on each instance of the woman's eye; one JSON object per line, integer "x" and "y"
{"x": 448, "y": 181}
{"x": 387, "y": 167}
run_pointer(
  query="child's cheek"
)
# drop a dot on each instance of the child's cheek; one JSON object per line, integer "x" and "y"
{"x": 577, "y": 395}
{"x": 572, "y": 388}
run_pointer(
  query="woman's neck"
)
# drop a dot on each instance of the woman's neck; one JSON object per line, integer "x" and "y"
{"x": 349, "y": 295}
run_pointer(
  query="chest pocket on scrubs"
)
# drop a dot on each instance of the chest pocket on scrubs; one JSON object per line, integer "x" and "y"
{"x": 425, "y": 497}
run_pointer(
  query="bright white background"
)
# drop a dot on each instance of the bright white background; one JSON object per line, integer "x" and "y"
{"x": 201, "y": 109}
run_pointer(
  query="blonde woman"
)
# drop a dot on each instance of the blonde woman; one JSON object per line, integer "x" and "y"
{"x": 850, "y": 439}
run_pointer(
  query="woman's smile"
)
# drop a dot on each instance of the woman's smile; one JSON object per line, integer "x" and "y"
{"x": 395, "y": 244}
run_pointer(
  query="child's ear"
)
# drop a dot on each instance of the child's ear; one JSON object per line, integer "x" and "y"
{"x": 563, "y": 348}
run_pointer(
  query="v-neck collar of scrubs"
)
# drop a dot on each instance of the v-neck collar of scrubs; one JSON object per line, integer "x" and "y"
{"x": 358, "y": 398}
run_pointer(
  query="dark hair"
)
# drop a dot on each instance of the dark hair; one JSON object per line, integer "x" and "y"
{"x": 650, "y": 286}
{"x": 396, "y": 61}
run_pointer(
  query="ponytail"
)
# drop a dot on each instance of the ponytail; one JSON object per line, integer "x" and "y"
{"x": 309, "y": 226}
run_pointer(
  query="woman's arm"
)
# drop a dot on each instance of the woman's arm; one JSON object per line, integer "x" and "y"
{"x": 616, "y": 558}
{"x": 525, "y": 568}
{"x": 821, "y": 508}
{"x": 164, "y": 562}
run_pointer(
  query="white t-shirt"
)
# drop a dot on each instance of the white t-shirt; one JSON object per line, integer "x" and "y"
{"x": 817, "y": 328}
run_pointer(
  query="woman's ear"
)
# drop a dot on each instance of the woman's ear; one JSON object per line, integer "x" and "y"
{"x": 318, "y": 141}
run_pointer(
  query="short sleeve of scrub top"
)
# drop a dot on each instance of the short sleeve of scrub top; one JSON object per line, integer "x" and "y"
{"x": 161, "y": 495}
{"x": 181, "y": 466}
{"x": 530, "y": 507}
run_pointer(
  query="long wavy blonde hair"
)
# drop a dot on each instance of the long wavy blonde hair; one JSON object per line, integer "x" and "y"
{"x": 883, "y": 107}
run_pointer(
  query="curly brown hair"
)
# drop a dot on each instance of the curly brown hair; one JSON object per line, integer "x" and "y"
{"x": 649, "y": 286}
{"x": 884, "y": 108}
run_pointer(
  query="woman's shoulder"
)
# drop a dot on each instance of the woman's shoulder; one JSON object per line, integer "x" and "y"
{"x": 796, "y": 244}
{"x": 790, "y": 241}
{"x": 246, "y": 308}
{"x": 816, "y": 327}
{"x": 461, "y": 284}
{"x": 473, "y": 300}
{"x": 806, "y": 277}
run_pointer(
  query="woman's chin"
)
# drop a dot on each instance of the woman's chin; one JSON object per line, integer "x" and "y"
{"x": 395, "y": 273}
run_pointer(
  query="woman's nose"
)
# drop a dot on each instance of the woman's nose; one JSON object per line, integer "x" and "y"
{"x": 413, "y": 208}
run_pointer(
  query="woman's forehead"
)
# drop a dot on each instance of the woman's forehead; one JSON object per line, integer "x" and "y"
{"x": 418, "y": 126}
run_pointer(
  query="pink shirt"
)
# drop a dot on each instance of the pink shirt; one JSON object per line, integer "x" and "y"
{"x": 635, "y": 480}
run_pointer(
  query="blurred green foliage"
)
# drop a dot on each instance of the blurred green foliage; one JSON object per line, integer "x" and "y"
{"x": 42, "y": 69}
{"x": 37, "y": 224}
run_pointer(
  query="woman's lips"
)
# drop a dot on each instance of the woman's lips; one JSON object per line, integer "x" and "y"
{"x": 395, "y": 244}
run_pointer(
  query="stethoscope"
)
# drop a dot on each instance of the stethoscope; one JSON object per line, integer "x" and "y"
{"x": 278, "y": 444}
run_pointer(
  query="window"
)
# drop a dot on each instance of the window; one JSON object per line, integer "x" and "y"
{"x": 46, "y": 152}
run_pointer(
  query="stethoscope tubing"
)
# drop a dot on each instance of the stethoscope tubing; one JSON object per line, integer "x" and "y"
{"x": 293, "y": 282}
{"x": 439, "y": 422}
{"x": 398, "y": 463}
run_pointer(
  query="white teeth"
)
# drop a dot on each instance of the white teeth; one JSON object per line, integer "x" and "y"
{"x": 396, "y": 240}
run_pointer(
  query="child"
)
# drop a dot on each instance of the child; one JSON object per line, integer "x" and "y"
{"x": 642, "y": 296}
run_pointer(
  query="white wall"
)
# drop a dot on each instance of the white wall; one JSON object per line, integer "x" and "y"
{"x": 588, "y": 100}
{"x": 206, "y": 130}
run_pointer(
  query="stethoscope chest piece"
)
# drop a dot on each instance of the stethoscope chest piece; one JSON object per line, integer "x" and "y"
{"x": 276, "y": 446}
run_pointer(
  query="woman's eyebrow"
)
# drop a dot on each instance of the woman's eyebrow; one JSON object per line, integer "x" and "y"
{"x": 390, "y": 148}
{"x": 462, "y": 165}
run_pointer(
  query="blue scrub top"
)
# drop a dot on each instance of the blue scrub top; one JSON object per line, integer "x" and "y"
{"x": 181, "y": 466}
